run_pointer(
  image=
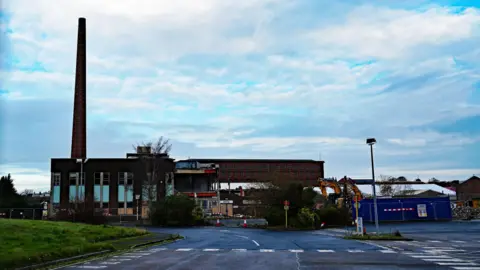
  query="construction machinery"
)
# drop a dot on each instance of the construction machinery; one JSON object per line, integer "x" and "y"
{"x": 340, "y": 197}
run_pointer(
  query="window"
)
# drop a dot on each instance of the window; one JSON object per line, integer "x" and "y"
{"x": 106, "y": 179}
{"x": 129, "y": 204}
{"x": 97, "y": 178}
{"x": 72, "y": 179}
{"x": 121, "y": 178}
{"x": 105, "y": 205}
{"x": 121, "y": 205}
{"x": 56, "y": 177}
{"x": 96, "y": 205}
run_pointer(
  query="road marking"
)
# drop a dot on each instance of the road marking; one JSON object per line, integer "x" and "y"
{"x": 129, "y": 256}
{"x": 239, "y": 249}
{"x": 140, "y": 253}
{"x": 354, "y": 250}
{"x": 443, "y": 260}
{"x": 430, "y": 256}
{"x": 92, "y": 266}
{"x": 466, "y": 268}
{"x": 458, "y": 241}
{"x": 387, "y": 251}
{"x": 224, "y": 230}
{"x": 266, "y": 250}
{"x": 444, "y": 250}
{"x": 158, "y": 249}
{"x": 433, "y": 241}
{"x": 295, "y": 250}
{"x": 256, "y": 243}
{"x": 456, "y": 263}
{"x": 210, "y": 249}
{"x": 109, "y": 262}
{"x": 183, "y": 249}
{"x": 325, "y": 250}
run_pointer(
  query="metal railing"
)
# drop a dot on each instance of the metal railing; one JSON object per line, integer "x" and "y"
{"x": 22, "y": 213}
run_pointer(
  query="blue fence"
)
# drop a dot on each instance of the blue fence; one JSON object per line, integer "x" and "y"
{"x": 405, "y": 209}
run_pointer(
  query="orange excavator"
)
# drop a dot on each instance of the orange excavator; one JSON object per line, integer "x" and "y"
{"x": 349, "y": 189}
{"x": 330, "y": 183}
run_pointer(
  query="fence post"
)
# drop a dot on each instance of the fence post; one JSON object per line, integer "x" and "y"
{"x": 33, "y": 213}
{"x": 10, "y": 213}
{"x": 403, "y": 212}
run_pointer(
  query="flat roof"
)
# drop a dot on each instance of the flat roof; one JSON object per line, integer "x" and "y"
{"x": 251, "y": 160}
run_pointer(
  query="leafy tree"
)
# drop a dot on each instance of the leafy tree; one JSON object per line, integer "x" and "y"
{"x": 9, "y": 196}
{"x": 177, "y": 210}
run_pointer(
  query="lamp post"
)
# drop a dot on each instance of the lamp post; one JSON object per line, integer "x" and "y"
{"x": 137, "y": 197}
{"x": 371, "y": 142}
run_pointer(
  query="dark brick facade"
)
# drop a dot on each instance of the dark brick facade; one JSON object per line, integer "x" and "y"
{"x": 79, "y": 130}
{"x": 258, "y": 170}
{"x": 64, "y": 166}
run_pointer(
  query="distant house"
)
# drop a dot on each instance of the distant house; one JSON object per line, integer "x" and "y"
{"x": 469, "y": 189}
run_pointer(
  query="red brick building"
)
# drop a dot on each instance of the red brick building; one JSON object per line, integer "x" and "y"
{"x": 469, "y": 189}
{"x": 306, "y": 172}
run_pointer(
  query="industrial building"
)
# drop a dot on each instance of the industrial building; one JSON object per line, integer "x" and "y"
{"x": 115, "y": 186}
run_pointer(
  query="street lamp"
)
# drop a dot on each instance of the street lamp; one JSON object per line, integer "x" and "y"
{"x": 371, "y": 142}
{"x": 137, "y": 197}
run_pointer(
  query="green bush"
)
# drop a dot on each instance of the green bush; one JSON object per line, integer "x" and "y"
{"x": 275, "y": 216}
{"x": 333, "y": 216}
{"x": 175, "y": 210}
{"x": 306, "y": 217}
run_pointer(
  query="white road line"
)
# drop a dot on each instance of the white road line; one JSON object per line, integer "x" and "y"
{"x": 210, "y": 249}
{"x": 158, "y": 249}
{"x": 109, "y": 262}
{"x": 122, "y": 259}
{"x": 458, "y": 241}
{"x": 325, "y": 250}
{"x": 443, "y": 260}
{"x": 466, "y": 268}
{"x": 256, "y": 243}
{"x": 266, "y": 250}
{"x": 444, "y": 250}
{"x": 387, "y": 251}
{"x": 354, "y": 250}
{"x": 296, "y": 250}
{"x": 239, "y": 249}
{"x": 91, "y": 266}
{"x": 456, "y": 263}
{"x": 183, "y": 249}
{"x": 433, "y": 241}
{"x": 129, "y": 256}
{"x": 430, "y": 256}
{"x": 140, "y": 253}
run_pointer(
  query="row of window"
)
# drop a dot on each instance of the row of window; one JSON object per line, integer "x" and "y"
{"x": 100, "y": 178}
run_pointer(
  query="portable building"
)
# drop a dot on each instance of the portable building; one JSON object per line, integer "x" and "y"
{"x": 405, "y": 209}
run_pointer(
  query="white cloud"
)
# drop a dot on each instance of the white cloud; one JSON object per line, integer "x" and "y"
{"x": 243, "y": 78}
{"x": 391, "y": 34}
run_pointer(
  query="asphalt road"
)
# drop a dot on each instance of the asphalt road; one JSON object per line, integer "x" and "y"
{"x": 238, "y": 248}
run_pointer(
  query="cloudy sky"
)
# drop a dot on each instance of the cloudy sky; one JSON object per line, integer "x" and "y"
{"x": 303, "y": 79}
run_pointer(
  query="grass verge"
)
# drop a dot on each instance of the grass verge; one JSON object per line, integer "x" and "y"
{"x": 28, "y": 242}
{"x": 120, "y": 248}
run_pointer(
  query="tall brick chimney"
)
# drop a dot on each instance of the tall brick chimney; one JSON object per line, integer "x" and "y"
{"x": 79, "y": 132}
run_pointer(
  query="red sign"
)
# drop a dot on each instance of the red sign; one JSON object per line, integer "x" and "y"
{"x": 286, "y": 203}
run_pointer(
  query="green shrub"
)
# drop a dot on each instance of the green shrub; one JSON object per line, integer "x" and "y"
{"x": 306, "y": 217}
{"x": 176, "y": 210}
{"x": 275, "y": 216}
{"x": 333, "y": 216}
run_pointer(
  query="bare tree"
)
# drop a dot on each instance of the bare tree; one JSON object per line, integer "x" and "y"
{"x": 390, "y": 188}
{"x": 154, "y": 179}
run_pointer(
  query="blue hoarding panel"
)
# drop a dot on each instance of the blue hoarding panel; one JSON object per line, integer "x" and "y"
{"x": 405, "y": 209}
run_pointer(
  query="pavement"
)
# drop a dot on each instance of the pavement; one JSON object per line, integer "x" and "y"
{"x": 240, "y": 248}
